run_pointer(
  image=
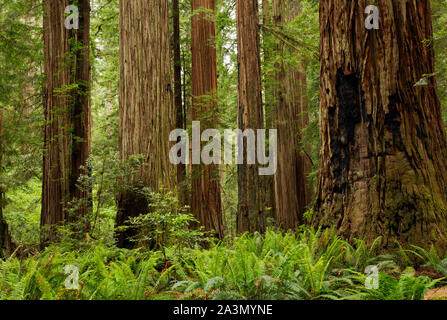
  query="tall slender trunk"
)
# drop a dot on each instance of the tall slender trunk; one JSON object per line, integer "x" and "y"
{"x": 383, "y": 155}
{"x": 251, "y": 215}
{"x": 292, "y": 193}
{"x": 268, "y": 101}
{"x": 179, "y": 115}
{"x": 206, "y": 196}
{"x": 67, "y": 116}
{"x": 80, "y": 112}
{"x": 146, "y": 107}
{"x": 56, "y": 161}
{"x": 4, "y": 232}
{"x": 5, "y": 239}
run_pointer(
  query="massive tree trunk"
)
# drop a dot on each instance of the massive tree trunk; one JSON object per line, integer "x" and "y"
{"x": 206, "y": 197}
{"x": 292, "y": 191}
{"x": 67, "y": 115}
{"x": 383, "y": 155}
{"x": 251, "y": 215}
{"x": 146, "y": 105}
{"x": 56, "y": 162}
{"x": 80, "y": 112}
{"x": 179, "y": 115}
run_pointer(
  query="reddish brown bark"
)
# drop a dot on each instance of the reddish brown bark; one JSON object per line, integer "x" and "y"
{"x": 146, "y": 105}
{"x": 383, "y": 154}
{"x": 268, "y": 102}
{"x": 56, "y": 162}
{"x": 67, "y": 115}
{"x": 251, "y": 215}
{"x": 179, "y": 115}
{"x": 206, "y": 197}
{"x": 81, "y": 114}
{"x": 292, "y": 190}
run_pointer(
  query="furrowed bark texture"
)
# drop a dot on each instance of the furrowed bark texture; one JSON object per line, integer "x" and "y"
{"x": 268, "y": 102}
{"x": 67, "y": 116}
{"x": 80, "y": 112}
{"x": 383, "y": 153}
{"x": 57, "y": 155}
{"x": 292, "y": 190}
{"x": 206, "y": 198}
{"x": 179, "y": 116}
{"x": 146, "y": 105}
{"x": 251, "y": 215}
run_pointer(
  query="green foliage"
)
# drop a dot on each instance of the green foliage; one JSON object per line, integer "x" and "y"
{"x": 439, "y": 16}
{"x": 311, "y": 264}
{"x": 22, "y": 211}
{"x": 431, "y": 257}
{"x": 167, "y": 223}
{"x": 407, "y": 287}
{"x": 21, "y": 56}
{"x": 359, "y": 255}
{"x": 104, "y": 273}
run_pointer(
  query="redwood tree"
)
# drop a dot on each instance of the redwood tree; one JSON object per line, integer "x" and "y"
{"x": 80, "y": 111}
{"x": 383, "y": 155}
{"x": 67, "y": 115}
{"x": 292, "y": 190}
{"x": 57, "y": 155}
{"x": 251, "y": 216}
{"x": 179, "y": 114}
{"x": 267, "y": 50}
{"x": 146, "y": 108}
{"x": 206, "y": 197}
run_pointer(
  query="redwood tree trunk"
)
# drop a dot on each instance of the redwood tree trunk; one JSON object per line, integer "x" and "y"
{"x": 292, "y": 191}
{"x": 179, "y": 116}
{"x": 67, "y": 115}
{"x": 57, "y": 155}
{"x": 267, "y": 41}
{"x": 206, "y": 197}
{"x": 81, "y": 115}
{"x": 383, "y": 153}
{"x": 146, "y": 105}
{"x": 251, "y": 216}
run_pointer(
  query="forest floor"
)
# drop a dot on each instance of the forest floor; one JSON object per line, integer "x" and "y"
{"x": 305, "y": 265}
{"x": 436, "y": 294}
